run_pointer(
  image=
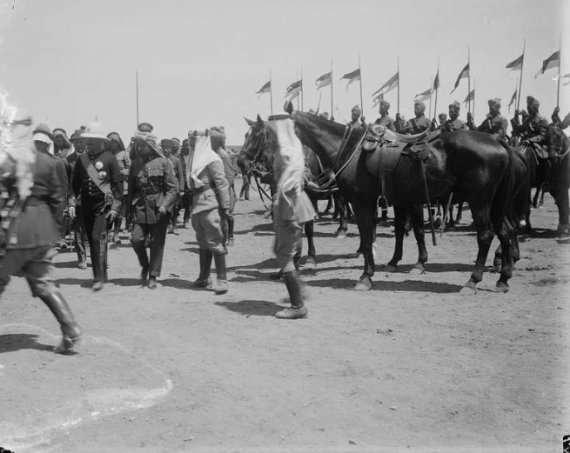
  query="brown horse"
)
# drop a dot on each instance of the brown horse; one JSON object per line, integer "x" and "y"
{"x": 471, "y": 164}
{"x": 559, "y": 146}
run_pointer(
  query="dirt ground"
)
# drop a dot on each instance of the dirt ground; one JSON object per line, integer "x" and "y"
{"x": 411, "y": 365}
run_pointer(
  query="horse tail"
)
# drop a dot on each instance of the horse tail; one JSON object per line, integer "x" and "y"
{"x": 502, "y": 206}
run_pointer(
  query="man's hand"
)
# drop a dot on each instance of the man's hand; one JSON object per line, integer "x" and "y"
{"x": 161, "y": 211}
{"x": 111, "y": 215}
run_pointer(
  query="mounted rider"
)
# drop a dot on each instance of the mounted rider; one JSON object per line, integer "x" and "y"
{"x": 533, "y": 128}
{"x": 453, "y": 123}
{"x": 494, "y": 123}
{"x": 418, "y": 124}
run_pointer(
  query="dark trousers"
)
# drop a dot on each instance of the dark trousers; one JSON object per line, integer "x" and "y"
{"x": 156, "y": 233}
{"x": 96, "y": 229}
{"x": 79, "y": 235}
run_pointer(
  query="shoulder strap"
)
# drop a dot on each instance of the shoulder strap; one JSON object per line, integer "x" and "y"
{"x": 103, "y": 186}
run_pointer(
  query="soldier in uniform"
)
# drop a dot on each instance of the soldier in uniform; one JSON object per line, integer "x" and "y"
{"x": 218, "y": 140}
{"x": 494, "y": 123}
{"x": 207, "y": 182}
{"x": 97, "y": 180}
{"x": 118, "y": 149}
{"x": 151, "y": 195}
{"x": 533, "y": 129}
{"x": 385, "y": 119}
{"x": 168, "y": 151}
{"x": 32, "y": 199}
{"x": 453, "y": 123}
{"x": 75, "y": 211}
{"x": 291, "y": 209}
{"x": 356, "y": 120}
{"x": 187, "y": 197}
{"x": 418, "y": 124}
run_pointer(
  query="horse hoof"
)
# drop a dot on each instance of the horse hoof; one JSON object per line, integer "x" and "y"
{"x": 388, "y": 268}
{"x": 341, "y": 234}
{"x": 501, "y": 287}
{"x": 364, "y": 284}
{"x": 416, "y": 270}
{"x": 310, "y": 264}
{"x": 469, "y": 289}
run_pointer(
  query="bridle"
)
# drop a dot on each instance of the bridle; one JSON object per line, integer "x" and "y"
{"x": 258, "y": 151}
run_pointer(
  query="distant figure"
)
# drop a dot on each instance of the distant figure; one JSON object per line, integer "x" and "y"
{"x": 418, "y": 124}
{"x": 168, "y": 150}
{"x": 118, "y": 149}
{"x": 453, "y": 123}
{"x": 385, "y": 119}
{"x": 494, "y": 123}
{"x": 356, "y": 118}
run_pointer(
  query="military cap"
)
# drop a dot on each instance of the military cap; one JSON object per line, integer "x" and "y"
{"x": 385, "y": 104}
{"x": 145, "y": 127}
{"x": 114, "y": 136}
{"x": 531, "y": 101}
{"x": 356, "y": 108}
{"x": 166, "y": 142}
{"x": 456, "y": 106}
{"x": 494, "y": 102}
{"x": 42, "y": 133}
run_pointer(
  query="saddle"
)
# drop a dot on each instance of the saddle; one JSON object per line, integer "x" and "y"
{"x": 384, "y": 148}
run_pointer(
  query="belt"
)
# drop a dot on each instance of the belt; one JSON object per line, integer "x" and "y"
{"x": 145, "y": 191}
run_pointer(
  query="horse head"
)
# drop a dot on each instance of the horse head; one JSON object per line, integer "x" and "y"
{"x": 557, "y": 141}
{"x": 257, "y": 151}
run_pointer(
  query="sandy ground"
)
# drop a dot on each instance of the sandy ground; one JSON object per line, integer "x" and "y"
{"x": 409, "y": 366}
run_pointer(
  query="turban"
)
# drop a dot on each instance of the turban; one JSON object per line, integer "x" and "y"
{"x": 176, "y": 142}
{"x": 420, "y": 106}
{"x": 455, "y": 106}
{"x": 149, "y": 139}
{"x": 217, "y": 137}
{"x": 385, "y": 104}
{"x": 495, "y": 103}
{"x": 115, "y": 137}
{"x": 145, "y": 127}
{"x": 531, "y": 101}
{"x": 356, "y": 108}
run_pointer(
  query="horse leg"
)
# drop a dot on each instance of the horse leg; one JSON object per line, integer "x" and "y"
{"x": 400, "y": 215}
{"x": 417, "y": 213}
{"x": 482, "y": 220}
{"x": 311, "y": 260}
{"x": 365, "y": 218}
{"x": 563, "y": 211}
{"x": 535, "y": 198}
{"x": 340, "y": 205}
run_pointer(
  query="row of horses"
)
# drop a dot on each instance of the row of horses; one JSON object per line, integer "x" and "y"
{"x": 474, "y": 167}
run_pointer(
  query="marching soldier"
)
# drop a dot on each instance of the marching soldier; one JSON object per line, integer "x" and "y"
{"x": 218, "y": 140}
{"x": 453, "y": 123}
{"x": 97, "y": 180}
{"x": 168, "y": 150}
{"x": 32, "y": 200}
{"x": 418, "y": 124}
{"x": 151, "y": 195}
{"x": 122, "y": 156}
{"x": 210, "y": 205}
{"x": 494, "y": 123}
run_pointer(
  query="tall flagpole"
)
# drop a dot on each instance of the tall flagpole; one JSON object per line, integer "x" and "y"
{"x": 398, "y": 71}
{"x": 559, "y": 68}
{"x": 436, "y": 90}
{"x": 137, "y": 96}
{"x": 332, "y": 96}
{"x": 520, "y": 80}
{"x": 430, "y": 96}
{"x": 360, "y": 79}
{"x": 270, "y": 92}
{"x": 302, "y": 94}
{"x": 469, "y": 80}
{"x": 473, "y": 98}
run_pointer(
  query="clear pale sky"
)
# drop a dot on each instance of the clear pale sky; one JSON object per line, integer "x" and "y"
{"x": 200, "y": 62}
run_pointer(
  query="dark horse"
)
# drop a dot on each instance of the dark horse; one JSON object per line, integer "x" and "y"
{"x": 559, "y": 183}
{"x": 471, "y": 164}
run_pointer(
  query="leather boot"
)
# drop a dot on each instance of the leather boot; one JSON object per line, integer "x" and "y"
{"x": 221, "y": 286}
{"x": 230, "y": 240}
{"x": 294, "y": 287}
{"x": 203, "y": 281}
{"x": 71, "y": 333}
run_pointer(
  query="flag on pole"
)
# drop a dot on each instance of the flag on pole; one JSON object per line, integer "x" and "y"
{"x": 324, "y": 81}
{"x": 513, "y": 99}
{"x": 516, "y": 64}
{"x": 390, "y": 84}
{"x": 351, "y": 77}
{"x": 462, "y": 75}
{"x": 470, "y": 97}
{"x": 565, "y": 79}
{"x": 376, "y": 100}
{"x": 424, "y": 95}
{"x": 553, "y": 61}
{"x": 436, "y": 81}
{"x": 293, "y": 90}
{"x": 266, "y": 88}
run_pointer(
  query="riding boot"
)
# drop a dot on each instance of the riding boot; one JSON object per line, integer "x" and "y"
{"x": 69, "y": 328}
{"x": 295, "y": 290}
{"x": 230, "y": 240}
{"x": 203, "y": 280}
{"x": 221, "y": 286}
